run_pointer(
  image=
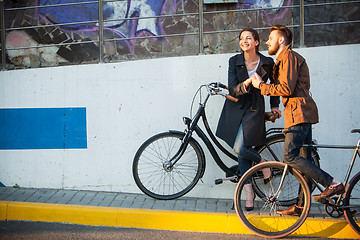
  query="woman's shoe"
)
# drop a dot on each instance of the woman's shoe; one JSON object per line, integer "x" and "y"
{"x": 267, "y": 180}
{"x": 250, "y": 196}
{"x": 266, "y": 172}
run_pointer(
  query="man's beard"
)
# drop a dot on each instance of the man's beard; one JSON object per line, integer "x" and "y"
{"x": 274, "y": 50}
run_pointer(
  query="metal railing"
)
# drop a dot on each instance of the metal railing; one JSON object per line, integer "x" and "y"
{"x": 200, "y": 33}
{"x": 2, "y": 22}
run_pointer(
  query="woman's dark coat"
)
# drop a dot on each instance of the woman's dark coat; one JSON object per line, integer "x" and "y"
{"x": 250, "y": 108}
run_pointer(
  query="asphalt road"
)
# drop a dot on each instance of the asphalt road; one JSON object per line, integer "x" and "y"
{"x": 40, "y": 230}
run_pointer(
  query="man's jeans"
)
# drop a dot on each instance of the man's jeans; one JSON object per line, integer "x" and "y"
{"x": 298, "y": 157}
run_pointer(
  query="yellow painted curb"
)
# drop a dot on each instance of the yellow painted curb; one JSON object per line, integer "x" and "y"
{"x": 159, "y": 219}
{"x": 3, "y": 210}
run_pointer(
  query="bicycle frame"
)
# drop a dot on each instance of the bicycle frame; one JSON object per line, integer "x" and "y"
{"x": 356, "y": 153}
{"x": 347, "y": 176}
{"x": 192, "y": 125}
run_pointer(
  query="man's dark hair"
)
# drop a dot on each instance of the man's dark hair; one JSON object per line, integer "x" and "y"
{"x": 284, "y": 32}
{"x": 255, "y": 35}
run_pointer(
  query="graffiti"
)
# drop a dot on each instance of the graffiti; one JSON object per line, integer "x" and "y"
{"x": 274, "y": 11}
{"x": 28, "y": 56}
{"x": 112, "y": 12}
{"x": 143, "y": 14}
{"x": 147, "y": 23}
{"x": 137, "y": 8}
{"x": 263, "y": 3}
{"x": 124, "y": 23}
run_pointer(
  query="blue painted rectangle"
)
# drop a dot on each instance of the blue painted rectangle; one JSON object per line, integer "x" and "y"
{"x": 43, "y": 128}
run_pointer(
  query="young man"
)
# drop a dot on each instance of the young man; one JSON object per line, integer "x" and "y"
{"x": 293, "y": 83}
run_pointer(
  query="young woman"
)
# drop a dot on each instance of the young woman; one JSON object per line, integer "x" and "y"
{"x": 242, "y": 124}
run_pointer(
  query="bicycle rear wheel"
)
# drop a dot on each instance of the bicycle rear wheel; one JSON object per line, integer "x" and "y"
{"x": 151, "y": 170}
{"x": 273, "y": 150}
{"x": 352, "y": 203}
{"x": 263, "y": 220}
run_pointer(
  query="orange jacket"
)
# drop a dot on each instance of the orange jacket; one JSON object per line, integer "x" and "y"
{"x": 292, "y": 83}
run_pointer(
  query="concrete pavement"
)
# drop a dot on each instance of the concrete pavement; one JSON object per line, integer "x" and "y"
{"x": 140, "y": 211}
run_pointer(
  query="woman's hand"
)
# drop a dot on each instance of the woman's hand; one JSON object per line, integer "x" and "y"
{"x": 256, "y": 80}
{"x": 247, "y": 82}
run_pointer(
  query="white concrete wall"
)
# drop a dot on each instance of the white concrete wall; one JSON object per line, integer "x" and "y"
{"x": 128, "y": 102}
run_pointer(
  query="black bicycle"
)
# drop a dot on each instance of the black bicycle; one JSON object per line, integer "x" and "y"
{"x": 169, "y": 164}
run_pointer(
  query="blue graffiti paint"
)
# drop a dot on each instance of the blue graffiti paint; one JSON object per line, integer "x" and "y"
{"x": 89, "y": 12}
{"x": 43, "y": 128}
{"x": 156, "y": 5}
{"x": 70, "y": 14}
{"x": 113, "y": 13}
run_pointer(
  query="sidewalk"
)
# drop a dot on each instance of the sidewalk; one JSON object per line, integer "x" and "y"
{"x": 141, "y": 211}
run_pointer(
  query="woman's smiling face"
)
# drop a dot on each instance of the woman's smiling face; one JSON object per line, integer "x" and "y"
{"x": 247, "y": 42}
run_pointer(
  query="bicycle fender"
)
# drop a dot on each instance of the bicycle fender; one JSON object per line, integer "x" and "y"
{"x": 202, "y": 154}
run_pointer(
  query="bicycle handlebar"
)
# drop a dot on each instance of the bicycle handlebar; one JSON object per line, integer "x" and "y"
{"x": 215, "y": 91}
{"x": 231, "y": 98}
{"x": 222, "y": 85}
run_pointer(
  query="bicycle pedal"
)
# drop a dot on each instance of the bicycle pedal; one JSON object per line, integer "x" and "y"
{"x": 221, "y": 180}
{"x": 218, "y": 181}
{"x": 321, "y": 200}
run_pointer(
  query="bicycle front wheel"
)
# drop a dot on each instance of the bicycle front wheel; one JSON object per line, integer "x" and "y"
{"x": 272, "y": 151}
{"x": 263, "y": 220}
{"x": 151, "y": 170}
{"x": 352, "y": 203}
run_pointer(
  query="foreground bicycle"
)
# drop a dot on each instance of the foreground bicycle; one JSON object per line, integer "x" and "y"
{"x": 264, "y": 221}
{"x": 169, "y": 164}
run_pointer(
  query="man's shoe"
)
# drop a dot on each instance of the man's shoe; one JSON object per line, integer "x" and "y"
{"x": 294, "y": 210}
{"x": 330, "y": 191}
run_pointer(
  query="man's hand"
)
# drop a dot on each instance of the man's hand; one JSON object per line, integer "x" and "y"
{"x": 276, "y": 110}
{"x": 256, "y": 80}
